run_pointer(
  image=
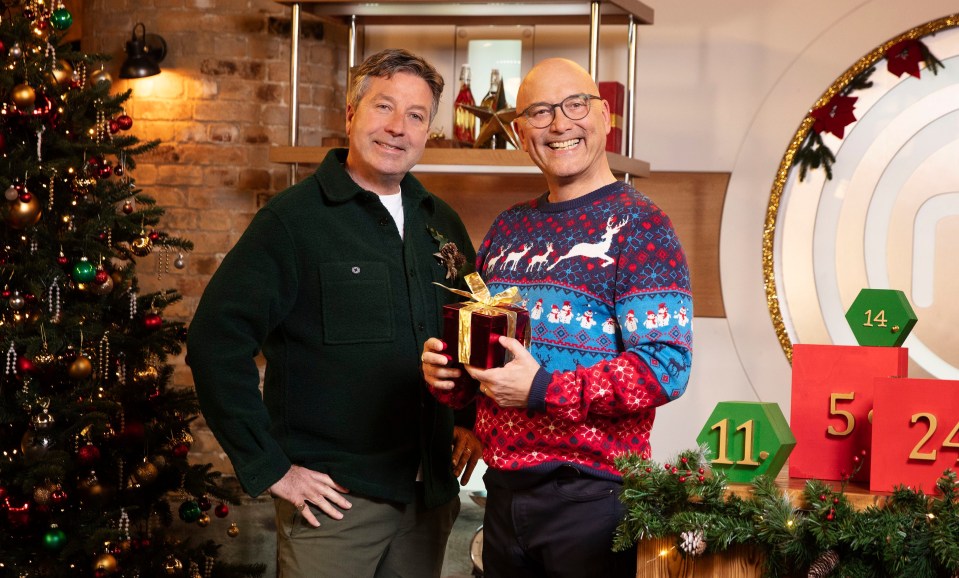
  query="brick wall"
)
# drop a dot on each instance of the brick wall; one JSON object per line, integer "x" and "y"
{"x": 221, "y": 101}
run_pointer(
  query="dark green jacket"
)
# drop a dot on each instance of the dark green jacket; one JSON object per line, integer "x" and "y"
{"x": 340, "y": 306}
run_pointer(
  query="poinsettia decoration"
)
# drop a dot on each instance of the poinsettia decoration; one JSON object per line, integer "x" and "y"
{"x": 835, "y": 115}
{"x": 902, "y": 57}
{"x": 449, "y": 254}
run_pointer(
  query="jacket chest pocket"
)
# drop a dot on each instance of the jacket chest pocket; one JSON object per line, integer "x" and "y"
{"x": 357, "y": 302}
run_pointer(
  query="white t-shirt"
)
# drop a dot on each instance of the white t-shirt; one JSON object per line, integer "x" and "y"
{"x": 394, "y": 204}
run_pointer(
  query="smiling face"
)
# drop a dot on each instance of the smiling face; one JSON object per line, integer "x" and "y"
{"x": 571, "y": 153}
{"x": 388, "y": 129}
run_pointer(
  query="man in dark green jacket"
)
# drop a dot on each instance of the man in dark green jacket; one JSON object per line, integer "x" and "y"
{"x": 333, "y": 282}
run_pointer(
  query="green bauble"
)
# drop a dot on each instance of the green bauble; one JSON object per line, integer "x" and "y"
{"x": 84, "y": 271}
{"x": 190, "y": 511}
{"x": 54, "y": 539}
{"x": 61, "y": 19}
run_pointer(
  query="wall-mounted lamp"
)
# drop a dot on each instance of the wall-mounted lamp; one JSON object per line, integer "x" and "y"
{"x": 144, "y": 54}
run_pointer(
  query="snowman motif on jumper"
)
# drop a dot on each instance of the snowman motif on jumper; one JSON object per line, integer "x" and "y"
{"x": 609, "y": 326}
{"x": 537, "y": 311}
{"x": 586, "y": 320}
{"x": 553, "y": 316}
{"x": 662, "y": 317}
{"x": 650, "y": 322}
{"x": 566, "y": 313}
{"x": 682, "y": 316}
{"x": 631, "y": 323}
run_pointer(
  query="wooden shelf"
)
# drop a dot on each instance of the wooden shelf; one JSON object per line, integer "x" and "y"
{"x": 450, "y": 160}
{"x": 466, "y": 12}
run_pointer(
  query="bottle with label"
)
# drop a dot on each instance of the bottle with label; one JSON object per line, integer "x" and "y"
{"x": 495, "y": 100}
{"x": 464, "y": 121}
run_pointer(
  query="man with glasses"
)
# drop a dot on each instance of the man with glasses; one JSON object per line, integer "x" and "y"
{"x": 554, "y": 418}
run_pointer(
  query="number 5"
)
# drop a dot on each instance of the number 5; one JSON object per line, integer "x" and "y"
{"x": 850, "y": 418}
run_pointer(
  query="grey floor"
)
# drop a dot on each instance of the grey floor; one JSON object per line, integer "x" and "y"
{"x": 458, "y": 563}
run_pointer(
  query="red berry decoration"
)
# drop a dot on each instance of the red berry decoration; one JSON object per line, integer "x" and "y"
{"x": 221, "y": 511}
{"x": 125, "y": 122}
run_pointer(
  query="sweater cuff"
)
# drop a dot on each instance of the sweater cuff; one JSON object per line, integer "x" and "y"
{"x": 537, "y": 392}
{"x": 258, "y": 478}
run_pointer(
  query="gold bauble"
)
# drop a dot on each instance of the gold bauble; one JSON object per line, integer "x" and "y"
{"x": 20, "y": 215}
{"x": 81, "y": 368}
{"x": 148, "y": 374}
{"x": 103, "y": 288}
{"x": 90, "y": 486}
{"x": 105, "y": 564}
{"x": 172, "y": 565}
{"x": 100, "y": 75}
{"x": 23, "y": 96}
{"x": 141, "y": 246}
{"x": 233, "y": 531}
{"x": 203, "y": 521}
{"x": 41, "y": 495}
{"x": 146, "y": 472}
{"x": 62, "y": 73}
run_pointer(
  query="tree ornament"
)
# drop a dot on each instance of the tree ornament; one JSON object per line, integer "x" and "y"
{"x": 16, "y": 51}
{"x": 23, "y": 96}
{"x": 61, "y": 19}
{"x": 233, "y": 531}
{"x": 84, "y": 271}
{"x": 11, "y": 194}
{"x": 221, "y": 510}
{"x": 142, "y": 245}
{"x": 81, "y": 368}
{"x": 172, "y": 566}
{"x": 204, "y": 503}
{"x": 100, "y": 76}
{"x": 203, "y": 521}
{"x": 152, "y": 320}
{"x": 146, "y": 472}
{"x": 824, "y": 564}
{"x": 127, "y": 207}
{"x": 179, "y": 263}
{"x": 57, "y": 496}
{"x": 21, "y": 214}
{"x": 25, "y": 366}
{"x": 54, "y": 538}
{"x": 104, "y": 565}
{"x": 90, "y": 486}
{"x": 35, "y": 444}
{"x": 104, "y": 288}
{"x": 18, "y": 512}
{"x": 125, "y": 121}
{"x": 62, "y": 73}
{"x": 190, "y": 511}
{"x": 101, "y": 276}
{"x": 693, "y": 542}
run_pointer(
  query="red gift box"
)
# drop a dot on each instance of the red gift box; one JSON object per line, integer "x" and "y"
{"x": 486, "y": 325}
{"x": 615, "y": 94}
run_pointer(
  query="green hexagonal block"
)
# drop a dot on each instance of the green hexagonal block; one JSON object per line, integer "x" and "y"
{"x": 881, "y": 317}
{"x": 747, "y": 439}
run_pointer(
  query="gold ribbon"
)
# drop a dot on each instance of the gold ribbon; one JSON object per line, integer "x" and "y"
{"x": 615, "y": 120}
{"x": 482, "y": 302}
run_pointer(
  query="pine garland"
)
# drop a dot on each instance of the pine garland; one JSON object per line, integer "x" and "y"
{"x": 909, "y": 534}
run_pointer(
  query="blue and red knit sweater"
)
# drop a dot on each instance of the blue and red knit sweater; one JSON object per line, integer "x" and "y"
{"x": 606, "y": 283}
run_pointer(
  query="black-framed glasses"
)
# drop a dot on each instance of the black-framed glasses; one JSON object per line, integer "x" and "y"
{"x": 542, "y": 114}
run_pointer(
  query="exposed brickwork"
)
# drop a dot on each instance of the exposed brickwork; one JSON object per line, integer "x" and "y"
{"x": 220, "y": 103}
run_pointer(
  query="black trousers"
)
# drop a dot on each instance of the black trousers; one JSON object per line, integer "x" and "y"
{"x": 560, "y": 527}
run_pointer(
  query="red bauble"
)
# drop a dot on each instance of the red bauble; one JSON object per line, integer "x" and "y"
{"x": 58, "y": 497}
{"x": 62, "y": 260}
{"x": 88, "y": 454}
{"x": 101, "y": 276}
{"x": 24, "y": 365}
{"x": 133, "y": 432}
{"x": 105, "y": 170}
{"x": 127, "y": 207}
{"x": 152, "y": 321}
{"x": 114, "y": 127}
{"x": 125, "y": 121}
{"x": 204, "y": 503}
{"x": 25, "y": 196}
{"x": 153, "y": 235}
{"x": 221, "y": 511}
{"x": 180, "y": 450}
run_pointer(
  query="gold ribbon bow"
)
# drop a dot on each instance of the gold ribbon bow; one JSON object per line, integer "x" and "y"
{"x": 482, "y": 302}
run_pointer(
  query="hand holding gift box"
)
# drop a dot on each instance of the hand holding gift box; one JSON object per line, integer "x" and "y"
{"x": 474, "y": 326}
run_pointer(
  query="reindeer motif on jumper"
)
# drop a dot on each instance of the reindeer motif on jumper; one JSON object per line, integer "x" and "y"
{"x": 566, "y": 313}
{"x": 537, "y": 311}
{"x": 609, "y": 326}
{"x": 631, "y": 323}
{"x": 682, "y": 316}
{"x": 596, "y": 250}
{"x": 515, "y": 256}
{"x": 553, "y": 316}
{"x": 586, "y": 320}
{"x": 537, "y": 261}
{"x": 491, "y": 264}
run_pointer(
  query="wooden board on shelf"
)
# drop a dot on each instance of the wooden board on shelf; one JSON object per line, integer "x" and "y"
{"x": 466, "y": 12}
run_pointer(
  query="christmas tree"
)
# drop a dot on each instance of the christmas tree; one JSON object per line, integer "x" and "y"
{"x": 95, "y": 478}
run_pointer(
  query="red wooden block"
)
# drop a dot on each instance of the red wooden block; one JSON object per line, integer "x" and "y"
{"x": 615, "y": 94}
{"x": 915, "y": 433}
{"x": 832, "y": 396}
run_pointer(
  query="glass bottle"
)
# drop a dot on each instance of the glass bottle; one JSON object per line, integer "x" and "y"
{"x": 495, "y": 100}
{"x": 464, "y": 121}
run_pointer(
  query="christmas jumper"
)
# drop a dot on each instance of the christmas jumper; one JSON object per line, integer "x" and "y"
{"x": 340, "y": 307}
{"x": 606, "y": 284}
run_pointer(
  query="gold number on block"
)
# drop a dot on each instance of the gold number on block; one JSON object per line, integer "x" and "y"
{"x": 850, "y": 418}
{"x": 723, "y": 457}
{"x": 933, "y": 424}
{"x": 880, "y": 318}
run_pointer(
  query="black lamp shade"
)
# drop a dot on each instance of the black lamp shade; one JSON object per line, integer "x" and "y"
{"x": 144, "y": 54}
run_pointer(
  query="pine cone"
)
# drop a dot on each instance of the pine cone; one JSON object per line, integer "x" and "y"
{"x": 693, "y": 542}
{"x": 824, "y": 564}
